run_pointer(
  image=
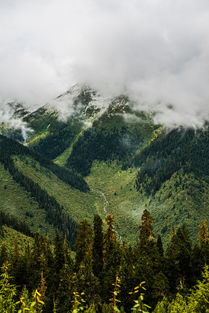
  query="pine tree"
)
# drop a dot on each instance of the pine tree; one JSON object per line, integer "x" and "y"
{"x": 38, "y": 260}
{"x": 97, "y": 246}
{"x": 178, "y": 255}
{"x": 200, "y": 253}
{"x": 203, "y": 235}
{"x": 110, "y": 236}
{"x": 59, "y": 258}
{"x": 146, "y": 230}
{"x": 83, "y": 244}
{"x": 64, "y": 290}
{"x": 85, "y": 280}
{"x": 160, "y": 245}
{"x": 160, "y": 287}
{"x": 3, "y": 255}
{"x": 112, "y": 258}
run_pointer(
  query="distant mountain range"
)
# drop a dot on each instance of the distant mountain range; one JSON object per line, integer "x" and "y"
{"x": 85, "y": 154}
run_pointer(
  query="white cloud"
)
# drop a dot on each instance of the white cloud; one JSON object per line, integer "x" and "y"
{"x": 9, "y": 120}
{"x": 157, "y": 51}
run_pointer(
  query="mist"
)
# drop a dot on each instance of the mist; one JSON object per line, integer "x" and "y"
{"x": 8, "y": 119}
{"x": 155, "y": 51}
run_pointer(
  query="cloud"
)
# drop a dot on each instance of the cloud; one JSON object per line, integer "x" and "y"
{"x": 156, "y": 51}
{"x": 8, "y": 119}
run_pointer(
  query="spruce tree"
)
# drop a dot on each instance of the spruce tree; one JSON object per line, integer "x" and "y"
{"x": 83, "y": 244}
{"x": 203, "y": 235}
{"x": 146, "y": 229}
{"x": 179, "y": 253}
{"x": 112, "y": 257}
{"x": 59, "y": 258}
{"x": 97, "y": 246}
{"x": 64, "y": 290}
{"x": 200, "y": 253}
{"x": 160, "y": 245}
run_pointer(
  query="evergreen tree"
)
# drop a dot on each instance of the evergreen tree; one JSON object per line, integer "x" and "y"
{"x": 59, "y": 258}
{"x": 160, "y": 245}
{"x": 3, "y": 255}
{"x": 178, "y": 255}
{"x": 97, "y": 246}
{"x": 160, "y": 287}
{"x": 64, "y": 291}
{"x": 200, "y": 253}
{"x": 203, "y": 235}
{"x": 83, "y": 244}
{"x": 85, "y": 280}
{"x": 110, "y": 237}
{"x": 146, "y": 230}
{"x": 112, "y": 257}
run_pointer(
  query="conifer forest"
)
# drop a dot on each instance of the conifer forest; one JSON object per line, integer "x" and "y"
{"x": 103, "y": 274}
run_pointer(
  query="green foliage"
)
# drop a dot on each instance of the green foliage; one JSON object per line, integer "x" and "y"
{"x": 196, "y": 302}
{"x": 114, "y": 300}
{"x": 139, "y": 305}
{"x": 10, "y": 148}
{"x": 33, "y": 306}
{"x": 65, "y": 283}
{"x": 146, "y": 230}
{"x": 74, "y": 203}
{"x": 7, "y": 291}
{"x": 118, "y": 195}
{"x": 131, "y": 165}
{"x": 171, "y": 152}
{"x": 78, "y": 302}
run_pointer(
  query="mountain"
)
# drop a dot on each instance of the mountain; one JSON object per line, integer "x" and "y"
{"x": 115, "y": 159}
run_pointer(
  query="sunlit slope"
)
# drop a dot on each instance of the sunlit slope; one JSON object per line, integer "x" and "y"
{"x": 11, "y": 238}
{"x": 42, "y": 193}
{"x": 77, "y": 204}
{"x": 16, "y": 201}
{"x": 183, "y": 199}
{"x": 116, "y": 188}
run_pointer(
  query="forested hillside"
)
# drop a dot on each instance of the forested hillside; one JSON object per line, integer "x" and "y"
{"x": 24, "y": 197}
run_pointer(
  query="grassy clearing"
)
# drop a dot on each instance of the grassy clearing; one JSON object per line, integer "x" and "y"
{"x": 35, "y": 140}
{"x": 119, "y": 189}
{"x": 11, "y": 237}
{"x": 16, "y": 201}
{"x": 62, "y": 158}
{"x": 77, "y": 204}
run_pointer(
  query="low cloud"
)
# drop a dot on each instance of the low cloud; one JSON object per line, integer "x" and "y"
{"x": 8, "y": 119}
{"x": 155, "y": 51}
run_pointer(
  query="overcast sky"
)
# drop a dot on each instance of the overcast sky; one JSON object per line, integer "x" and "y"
{"x": 157, "y": 51}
